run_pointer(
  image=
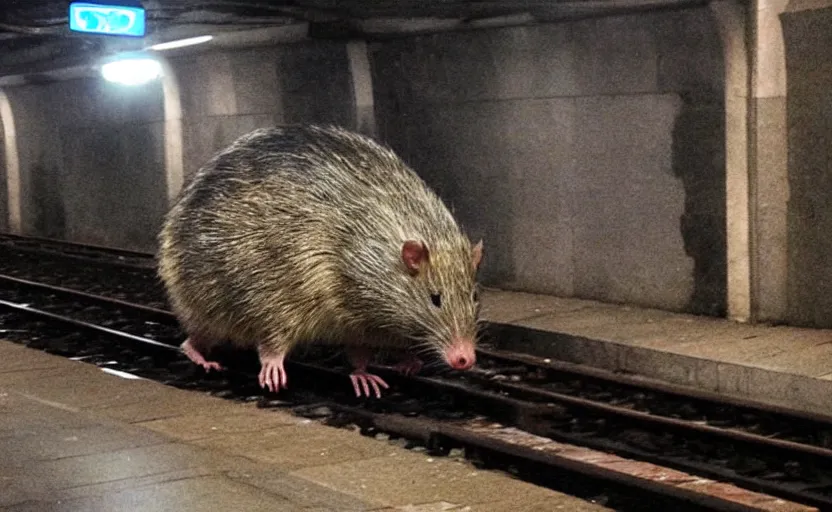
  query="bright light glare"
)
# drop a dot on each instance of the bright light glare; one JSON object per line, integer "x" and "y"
{"x": 179, "y": 43}
{"x": 132, "y": 71}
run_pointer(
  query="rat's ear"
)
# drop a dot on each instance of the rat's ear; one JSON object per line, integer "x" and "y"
{"x": 415, "y": 256}
{"x": 476, "y": 255}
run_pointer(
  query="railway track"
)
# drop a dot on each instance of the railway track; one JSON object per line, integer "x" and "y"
{"x": 515, "y": 410}
{"x": 103, "y": 276}
{"x": 441, "y": 420}
{"x": 36, "y": 245}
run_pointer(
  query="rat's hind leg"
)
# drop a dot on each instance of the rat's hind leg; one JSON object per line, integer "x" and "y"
{"x": 359, "y": 358}
{"x": 194, "y": 347}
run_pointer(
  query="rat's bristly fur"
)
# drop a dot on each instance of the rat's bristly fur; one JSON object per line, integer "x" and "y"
{"x": 306, "y": 233}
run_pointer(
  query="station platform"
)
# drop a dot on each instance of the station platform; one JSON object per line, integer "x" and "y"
{"x": 73, "y": 438}
{"x": 778, "y": 365}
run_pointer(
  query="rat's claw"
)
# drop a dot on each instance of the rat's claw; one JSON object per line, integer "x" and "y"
{"x": 409, "y": 366}
{"x": 272, "y": 374}
{"x": 196, "y": 356}
{"x": 211, "y": 365}
{"x": 367, "y": 380}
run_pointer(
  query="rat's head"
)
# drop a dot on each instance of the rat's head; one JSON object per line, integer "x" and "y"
{"x": 442, "y": 301}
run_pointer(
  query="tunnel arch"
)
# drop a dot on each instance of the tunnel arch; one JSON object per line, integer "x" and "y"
{"x": 174, "y": 158}
{"x": 12, "y": 164}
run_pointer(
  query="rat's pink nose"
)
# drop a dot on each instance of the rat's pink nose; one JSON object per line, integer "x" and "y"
{"x": 461, "y": 355}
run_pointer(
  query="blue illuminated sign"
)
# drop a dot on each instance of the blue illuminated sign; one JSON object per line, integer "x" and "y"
{"x": 114, "y": 20}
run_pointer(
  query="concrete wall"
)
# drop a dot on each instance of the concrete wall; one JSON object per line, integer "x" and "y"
{"x": 92, "y": 153}
{"x": 808, "y": 36}
{"x": 227, "y": 94}
{"x": 89, "y": 161}
{"x": 589, "y": 155}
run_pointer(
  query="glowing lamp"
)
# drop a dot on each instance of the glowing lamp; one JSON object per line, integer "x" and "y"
{"x": 132, "y": 71}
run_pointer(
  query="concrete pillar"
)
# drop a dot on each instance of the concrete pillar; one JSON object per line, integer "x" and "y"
{"x": 756, "y": 158}
{"x": 174, "y": 159}
{"x": 362, "y": 84}
{"x": 13, "y": 185}
{"x": 731, "y": 18}
{"x": 768, "y": 157}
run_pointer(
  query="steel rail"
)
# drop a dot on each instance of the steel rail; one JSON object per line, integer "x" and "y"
{"x": 645, "y": 383}
{"x": 468, "y": 433}
{"x": 160, "y": 315}
{"x": 537, "y": 421}
{"x": 670, "y": 423}
{"x": 114, "y": 251}
{"x": 76, "y": 257}
{"x": 802, "y": 493}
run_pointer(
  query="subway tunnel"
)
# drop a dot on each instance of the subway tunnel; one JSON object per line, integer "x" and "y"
{"x": 649, "y": 179}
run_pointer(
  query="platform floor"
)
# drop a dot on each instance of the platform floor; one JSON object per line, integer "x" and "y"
{"x": 779, "y": 365}
{"x": 74, "y": 438}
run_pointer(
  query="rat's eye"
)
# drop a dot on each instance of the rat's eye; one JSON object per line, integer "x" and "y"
{"x": 476, "y": 295}
{"x": 436, "y": 298}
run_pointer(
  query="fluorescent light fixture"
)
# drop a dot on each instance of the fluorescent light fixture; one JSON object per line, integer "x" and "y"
{"x": 132, "y": 71}
{"x": 179, "y": 43}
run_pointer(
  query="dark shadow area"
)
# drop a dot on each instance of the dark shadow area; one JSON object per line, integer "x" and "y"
{"x": 114, "y": 183}
{"x": 432, "y": 143}
{"x": 808, "y": 36}
{"x": 699, "y": 161}
{"x": 4, "y": 190}
{"x": 316, "y": 84}
{"x": 48, "y": 212}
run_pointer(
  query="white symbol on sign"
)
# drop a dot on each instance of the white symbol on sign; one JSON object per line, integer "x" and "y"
{"x": 105, "y": 19}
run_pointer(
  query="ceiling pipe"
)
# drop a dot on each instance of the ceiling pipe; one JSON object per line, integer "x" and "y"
{"x": 87, "y": 65}
{"x": 370, "y": 29}
{"x": 395, "y": 28}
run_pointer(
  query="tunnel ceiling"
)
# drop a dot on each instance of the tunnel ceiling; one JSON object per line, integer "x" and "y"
{"x": 35, "y": 31}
